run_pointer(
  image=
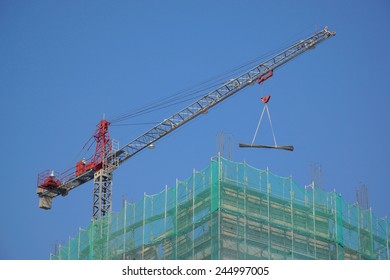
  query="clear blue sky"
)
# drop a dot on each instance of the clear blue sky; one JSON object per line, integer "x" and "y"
{"x": 65, "y": 63}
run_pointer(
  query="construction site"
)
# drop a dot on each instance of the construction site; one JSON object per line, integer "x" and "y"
{"x": 234, "y": 211}
{"x": 228, "y": 210}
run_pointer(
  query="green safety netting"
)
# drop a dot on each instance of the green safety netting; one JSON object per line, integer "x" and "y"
{"x": 234, "y": 211}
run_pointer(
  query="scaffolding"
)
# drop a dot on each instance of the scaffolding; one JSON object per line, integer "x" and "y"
{"x": 234, "y": 211}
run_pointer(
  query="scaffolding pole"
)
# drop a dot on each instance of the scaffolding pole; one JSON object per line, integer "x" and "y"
{"x": 360, "y": 250}
{"x": 175, "y": 221}
{"x": 91, "y": 245}
{"x": 69, "y": 247}
{"x": 245, "y": 211}
{"x": 151, "y": 215}
{"x": 124, "y": 229}
{"x": 165, "y": 212}
{"x": 314, "y": 223}
{"x": 107, "y": 223}
{"x": 387, "y": 239}
{"x": 193, "y": 212}
{"x": 143, "y": 227}
{"x": 268, "y": 214}
{"x": 370, "y": 232}
{"x": 78, "y": 244}
{"x": 292, "y": 218}
{"x": 219, "y": 205}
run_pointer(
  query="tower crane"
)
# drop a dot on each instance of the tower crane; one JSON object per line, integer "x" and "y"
{"x": 108, "y": 158}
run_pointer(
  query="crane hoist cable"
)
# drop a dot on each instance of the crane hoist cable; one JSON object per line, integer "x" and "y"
{"x": 265, "y": 100}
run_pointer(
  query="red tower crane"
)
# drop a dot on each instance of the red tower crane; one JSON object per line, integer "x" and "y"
{"x": 107, "y": 158}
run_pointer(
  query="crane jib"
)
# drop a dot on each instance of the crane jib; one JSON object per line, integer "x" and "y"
{"x": 261, "y": 72}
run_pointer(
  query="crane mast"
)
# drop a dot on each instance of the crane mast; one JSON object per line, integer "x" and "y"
{"x": 107, "y": 158}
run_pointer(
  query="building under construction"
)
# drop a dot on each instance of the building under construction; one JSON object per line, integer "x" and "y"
{"x": 234, "y": 211}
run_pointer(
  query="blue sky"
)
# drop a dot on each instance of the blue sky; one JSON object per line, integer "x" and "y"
{"x": 63, "y": 64}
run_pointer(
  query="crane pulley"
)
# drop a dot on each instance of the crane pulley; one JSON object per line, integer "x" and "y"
{"x": 107, "y": 158}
